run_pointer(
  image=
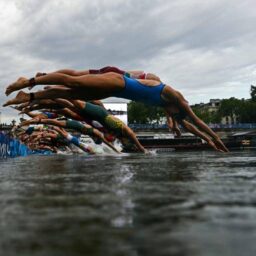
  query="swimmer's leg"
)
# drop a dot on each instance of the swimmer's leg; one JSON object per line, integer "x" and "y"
{"x": 22, "y": 97}
{"x": 106, "y": 83}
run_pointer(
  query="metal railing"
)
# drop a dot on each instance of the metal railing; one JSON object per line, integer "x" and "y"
{"x": 234, "y": 126}
{"x": 213, "y": 126}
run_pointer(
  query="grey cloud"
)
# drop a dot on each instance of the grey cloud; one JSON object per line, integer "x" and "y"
{"x": 200, "y": 47}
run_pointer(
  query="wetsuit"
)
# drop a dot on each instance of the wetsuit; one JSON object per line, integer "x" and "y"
{"x": 134, "y": 90}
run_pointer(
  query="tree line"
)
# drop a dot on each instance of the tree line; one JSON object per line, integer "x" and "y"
{"x": 243, "y": 109}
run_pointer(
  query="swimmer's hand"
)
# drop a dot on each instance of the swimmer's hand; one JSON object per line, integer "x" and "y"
{"x": 220, "y": 145}
{"x": 211, "y": 144}
{"x": 176, "y": 131}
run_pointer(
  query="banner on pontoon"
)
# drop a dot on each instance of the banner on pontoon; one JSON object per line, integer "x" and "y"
{"x": 10, "y": 147}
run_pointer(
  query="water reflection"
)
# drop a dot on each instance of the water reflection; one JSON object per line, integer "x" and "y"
{"x": 190, "y": 203}
{"x": 124, "y": 216}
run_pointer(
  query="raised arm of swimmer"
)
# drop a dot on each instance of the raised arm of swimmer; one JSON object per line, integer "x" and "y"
{"x": 132, "y": 136}
{"x": 204, "y": 127}
{"x": 191, "y": 128}
{"x": 173, "y": 125}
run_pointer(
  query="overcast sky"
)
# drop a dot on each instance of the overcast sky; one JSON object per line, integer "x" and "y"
{"x": 205, "y": 49}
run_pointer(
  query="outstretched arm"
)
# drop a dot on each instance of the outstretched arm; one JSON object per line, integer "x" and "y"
{"x": 133, "y": 138}
{"x": 203, "y": 126}
{"x": 191, "y": 128}
{"x": 173, "y": 125}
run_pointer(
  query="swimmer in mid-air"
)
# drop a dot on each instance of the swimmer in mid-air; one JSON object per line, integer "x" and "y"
{"x": 94, "y": 87}
{"x": 75, "y": 125}
{"x": 92, "y": 114}
{"x": 111, "y": 124}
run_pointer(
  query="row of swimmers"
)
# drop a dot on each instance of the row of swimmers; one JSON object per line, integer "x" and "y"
{"x": 77, "y": 95}
{"x": 87, "y": 118}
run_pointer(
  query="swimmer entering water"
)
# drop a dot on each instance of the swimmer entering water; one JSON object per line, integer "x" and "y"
{"x": 92, "y": 87}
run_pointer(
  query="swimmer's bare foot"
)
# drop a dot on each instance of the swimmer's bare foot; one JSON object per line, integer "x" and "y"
{"x": 21, "y": 97}
{"x": 21, "y": 83}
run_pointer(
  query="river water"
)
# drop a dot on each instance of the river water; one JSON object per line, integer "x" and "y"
{"x": 174, "y": 203}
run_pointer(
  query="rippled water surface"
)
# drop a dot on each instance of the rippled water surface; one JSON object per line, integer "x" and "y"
{"x": 176, "y": 203}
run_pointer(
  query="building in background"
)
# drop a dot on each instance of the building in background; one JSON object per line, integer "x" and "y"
{"x": 117, "y": 107}
{"x": 212, "y": 107}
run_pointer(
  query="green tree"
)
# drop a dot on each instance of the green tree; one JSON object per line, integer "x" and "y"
{"x": 206, "y": 116}
{"x": 253, "y": 93}
{"x": 230, "y": 107}
{"x": 144, "y": 114}
{"x": 244, "y": 110}
{"x": 248, "y": 111}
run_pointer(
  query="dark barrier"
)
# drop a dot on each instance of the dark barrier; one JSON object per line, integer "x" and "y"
{"x": 11, "y": 147}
